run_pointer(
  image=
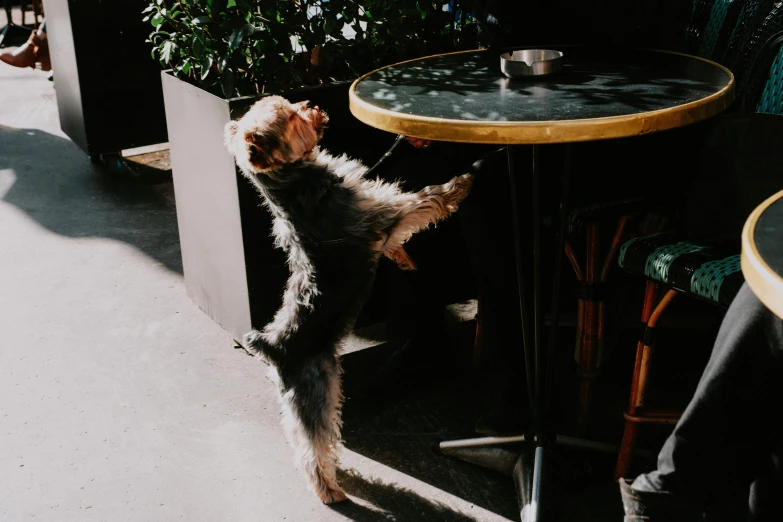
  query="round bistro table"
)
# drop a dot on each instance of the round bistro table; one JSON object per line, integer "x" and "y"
{"x": 598, "y": 94}
{"x": 762, "y": 253}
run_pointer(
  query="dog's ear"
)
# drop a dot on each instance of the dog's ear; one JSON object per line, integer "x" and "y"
{"x": 264, "y": 151}
{"x": 302, "y": 135}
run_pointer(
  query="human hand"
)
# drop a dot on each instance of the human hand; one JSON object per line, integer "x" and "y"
{"x": 419, "y": 143}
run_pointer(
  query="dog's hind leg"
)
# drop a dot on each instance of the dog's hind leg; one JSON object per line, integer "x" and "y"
{"x": 426, "y": 207}
{"x": 312, "y": 418}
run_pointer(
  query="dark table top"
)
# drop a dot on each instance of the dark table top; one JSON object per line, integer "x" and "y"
{"x": 599, "y": 94}
{"x": 762, "y": 253}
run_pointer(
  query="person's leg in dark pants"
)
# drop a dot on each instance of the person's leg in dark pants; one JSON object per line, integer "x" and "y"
{"x": 725, "y": 437}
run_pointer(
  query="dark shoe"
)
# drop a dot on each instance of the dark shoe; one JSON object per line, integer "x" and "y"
{"x": 650, "y": 506}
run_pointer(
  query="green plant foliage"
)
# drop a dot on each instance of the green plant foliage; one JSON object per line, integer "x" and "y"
{"x": 246, "y": 47}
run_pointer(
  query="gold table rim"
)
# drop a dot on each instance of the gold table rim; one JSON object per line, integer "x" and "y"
{"x": 540, "y": 132}
{"x": 762, "y": 280}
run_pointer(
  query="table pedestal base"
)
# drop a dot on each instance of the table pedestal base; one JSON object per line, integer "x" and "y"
{"x": 524, "y": 460}
{"x": 528, "y": 466}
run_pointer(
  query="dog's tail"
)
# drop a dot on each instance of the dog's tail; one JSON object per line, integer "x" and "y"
{"x": 312, "y": 418}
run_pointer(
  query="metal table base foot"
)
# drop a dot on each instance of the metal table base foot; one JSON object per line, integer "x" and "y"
{"x": 522, "y": 458}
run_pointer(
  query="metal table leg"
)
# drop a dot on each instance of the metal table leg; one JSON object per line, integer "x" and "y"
{"x": 528, "y": 466}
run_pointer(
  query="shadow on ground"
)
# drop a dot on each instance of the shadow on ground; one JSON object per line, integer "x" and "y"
{"x": 400, "y": 422}
{"x": 57, "y": 185}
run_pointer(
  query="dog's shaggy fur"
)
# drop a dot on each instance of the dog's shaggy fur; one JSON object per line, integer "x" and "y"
{"x": 334, "y": 225}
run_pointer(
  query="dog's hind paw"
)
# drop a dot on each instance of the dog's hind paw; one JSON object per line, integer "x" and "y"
{"x": 332, "y": 495}
{"x": 253, "y": 342}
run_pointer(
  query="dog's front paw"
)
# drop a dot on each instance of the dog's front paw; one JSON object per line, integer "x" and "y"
{"x": 460, "y": 190}
{"x": 464, "y": 182}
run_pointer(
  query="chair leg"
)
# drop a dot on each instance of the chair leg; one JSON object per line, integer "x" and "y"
{"x": 590, "y": 339}
{"x": 631, "y": 428}
{"x": 609, "y": 262}
{"x": 571, "y": 255}
{"x": 644, "y": 352}
{"x": 36, "y": 13}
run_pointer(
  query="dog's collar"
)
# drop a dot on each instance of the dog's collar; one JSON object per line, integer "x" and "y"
{"x": 326, "y": 241}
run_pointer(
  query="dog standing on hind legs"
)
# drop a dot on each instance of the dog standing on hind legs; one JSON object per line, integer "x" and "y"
{"x": 334, "y": 225}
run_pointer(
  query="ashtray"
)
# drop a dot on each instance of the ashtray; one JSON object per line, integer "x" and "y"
{"x": 530, "y": 62}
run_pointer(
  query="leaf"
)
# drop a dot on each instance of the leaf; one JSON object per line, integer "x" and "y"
{"x": 221, "y": 65}
{"x": 206, "y": 66}
{"x": 235, "y": 39}
{"x": 248, "y": 29}
{"x": 197, "y": 46}
{"x": 201, "y": 20}
{"x": 165, "y": 54}
{"x": 198, "y": 32}
{"x": 227, "y": 83}
{"x": 157, "y": 20}
{"x": 231, "y": 3}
